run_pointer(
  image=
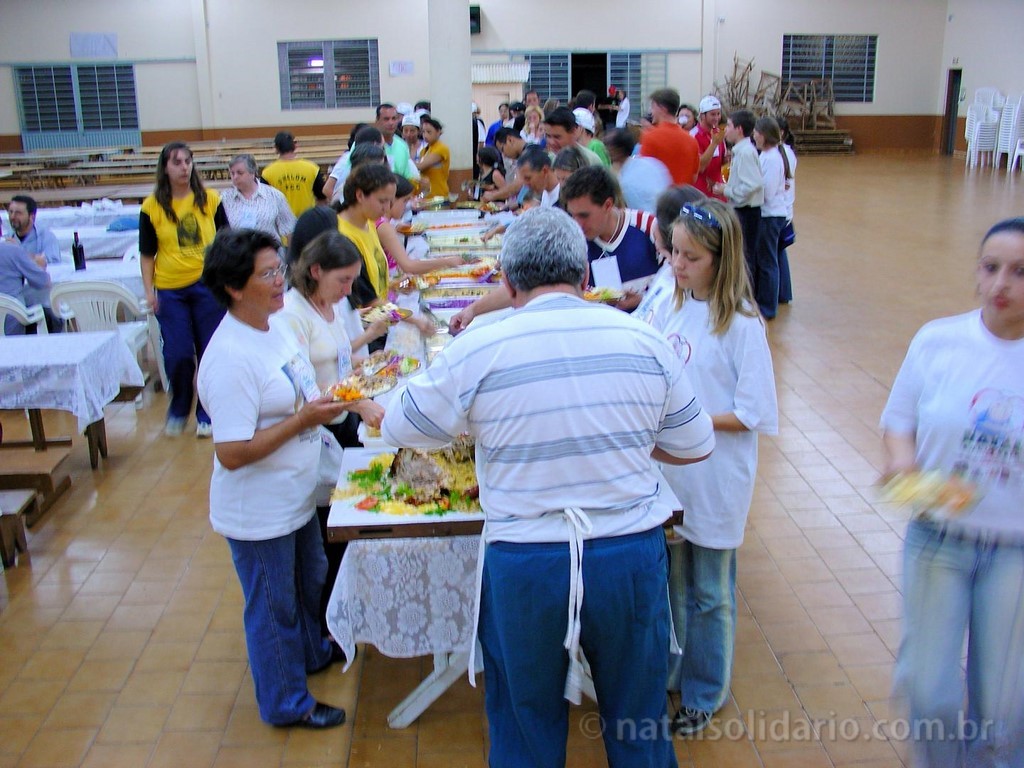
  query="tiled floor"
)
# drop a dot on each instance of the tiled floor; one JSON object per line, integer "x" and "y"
{"x": 121, "y": 640}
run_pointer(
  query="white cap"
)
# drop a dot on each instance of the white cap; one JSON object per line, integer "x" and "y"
{"x": 709, "y": 103}
{"x": 411, "y": 120}
{"x": 403, "y": 108}
{"x": 475, "y": 108}
{"x": 584, "y": 119}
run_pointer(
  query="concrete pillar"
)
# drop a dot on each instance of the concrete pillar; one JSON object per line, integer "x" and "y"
{"x": 451, "y": 92}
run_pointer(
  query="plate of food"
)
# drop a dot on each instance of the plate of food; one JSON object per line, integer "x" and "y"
{"x": 363, "y": 387}
{"x": 604, "y": 295}
{"x": 931, "y": 494}
{"x": 411, "y": 228}
{"x": 410, "y": 283}
{"x": 387, "y": 361}
{"x": 388, "y": 312}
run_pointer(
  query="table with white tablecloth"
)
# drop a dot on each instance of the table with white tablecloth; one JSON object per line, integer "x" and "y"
{"x": 125, "y": 272}
{"x": 100, "y": 213}
{"x": 75, "y": 372}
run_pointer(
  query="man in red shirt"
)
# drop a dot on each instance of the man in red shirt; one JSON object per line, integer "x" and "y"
{"x": 711, "y": 143}
{"x": 667, "y": 142}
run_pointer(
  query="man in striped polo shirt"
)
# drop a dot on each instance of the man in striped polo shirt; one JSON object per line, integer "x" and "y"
{"x": 570, "y": 405}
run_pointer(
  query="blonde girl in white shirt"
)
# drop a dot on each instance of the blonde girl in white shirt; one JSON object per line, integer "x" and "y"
{"x": 715, "y": 328}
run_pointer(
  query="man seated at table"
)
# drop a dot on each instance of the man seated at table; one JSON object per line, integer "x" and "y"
{"x": 41, "y": 245}
{"x": 40, "y": 242}
{"x": 20, "y": 272}
{"x": 570, "y": 404}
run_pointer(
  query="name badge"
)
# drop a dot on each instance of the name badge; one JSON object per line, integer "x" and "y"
{"x": 605, "y": 272}
{"x": 303, "y": 377}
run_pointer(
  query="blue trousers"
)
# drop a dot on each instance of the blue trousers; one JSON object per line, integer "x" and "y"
{"x": 625, "y": 631}
{"x": 702, "y": 593}
{"x": 188, "y": 317}
{"x": 785, "y": 278}
{"x": 282, "y": 579}
{"x": 766, "y": 265}
{"x": 955, "y": 586}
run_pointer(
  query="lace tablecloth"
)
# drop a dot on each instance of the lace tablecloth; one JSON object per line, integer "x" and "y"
{"x": 76, "y": 372}
{"x": 406, "y": 597}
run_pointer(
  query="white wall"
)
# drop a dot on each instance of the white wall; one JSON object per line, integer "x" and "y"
{"x": 243, "y": 54}
{"x": 986, "y": 40}
{"x": 910, "y": 34}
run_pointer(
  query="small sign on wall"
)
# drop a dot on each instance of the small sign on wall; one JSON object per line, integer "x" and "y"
{"x": 400, "y": 68}
{"x": 89, "y": 45}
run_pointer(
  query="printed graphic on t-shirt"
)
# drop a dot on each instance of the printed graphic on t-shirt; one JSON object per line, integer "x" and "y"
{"x": 190, "y": 239}
{"x": 681, "y": 347}
{"x": 992, "y": 449}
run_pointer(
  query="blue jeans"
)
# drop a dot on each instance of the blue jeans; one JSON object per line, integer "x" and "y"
{"x": 624, "y": 636}
{"x": 785, "y": 278}
{"x": 282, "y": 579}
{"x": 702, "y": 593}
{"x": 766, "y": 266}
{"x": 957, "y": 585}
{"x": 188, "y": 317}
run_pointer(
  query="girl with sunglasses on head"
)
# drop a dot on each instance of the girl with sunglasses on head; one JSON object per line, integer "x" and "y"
{"x": 714, "y": 325}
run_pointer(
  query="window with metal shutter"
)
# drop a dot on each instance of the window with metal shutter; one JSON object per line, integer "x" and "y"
{"x": 549, "y": 75}
{"x": 848, "y": 60}
{"x": 328, "y": 74}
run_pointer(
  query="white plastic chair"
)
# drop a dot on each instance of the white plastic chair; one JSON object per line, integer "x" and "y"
{"x": 1011, "y": 130}
{"x": 11, "y": 307}
{"x": 982, "y": 133}
{"x": 93, "y": 305}
{"x": 988, "y": 97}
{"x": 1018, "y": 154}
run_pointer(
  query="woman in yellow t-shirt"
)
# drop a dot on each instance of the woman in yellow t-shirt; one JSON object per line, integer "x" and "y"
{"x": 367, "y": 196}
{"x": 437, "y": 158}
{"x": 176, "y": 224}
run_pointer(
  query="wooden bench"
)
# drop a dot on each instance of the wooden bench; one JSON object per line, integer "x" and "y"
{"x": 15, "y": 508}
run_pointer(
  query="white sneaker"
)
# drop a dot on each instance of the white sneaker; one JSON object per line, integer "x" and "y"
{"x": 174, "y": 426}
{"x": 204, "y": 430}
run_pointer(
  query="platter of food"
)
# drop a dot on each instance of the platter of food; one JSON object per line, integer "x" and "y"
{"x": 931, "y": 494}
{"x": 388, "y": 312}
{"x": 406, "y": 493}
{"x": 603, "y": 295}
{"x": 360, "y": 386}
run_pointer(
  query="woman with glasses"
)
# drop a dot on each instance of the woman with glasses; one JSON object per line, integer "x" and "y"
{"x": 957, "y": 410}
{"x": 714, "y": 326}
{"x": 261, "y": 393}
{"x": 176, "y": 224}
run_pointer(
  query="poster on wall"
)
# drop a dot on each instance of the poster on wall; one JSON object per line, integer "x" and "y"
{"x": 93, "y": 45}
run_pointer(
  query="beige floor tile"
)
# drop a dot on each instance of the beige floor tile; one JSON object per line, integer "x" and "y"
{"x": 151, "y": 688}
{"x": 201, "y": 712}
{"x": 56, "y": 748}
{"x": 133, "y": 724}
{"x": 80, "y": 710}
{"x": 198, "y": 749}
{"x": 117, "y": 756}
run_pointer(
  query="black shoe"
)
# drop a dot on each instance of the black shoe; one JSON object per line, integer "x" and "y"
{"x": 322, "y": 716}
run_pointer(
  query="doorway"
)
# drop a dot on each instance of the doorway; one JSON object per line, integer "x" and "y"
{"x": 949, "y": 115}
{"x": 589, "y": 72}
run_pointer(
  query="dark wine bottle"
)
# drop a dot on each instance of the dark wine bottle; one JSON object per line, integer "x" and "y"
{"x": 78, "y": 253}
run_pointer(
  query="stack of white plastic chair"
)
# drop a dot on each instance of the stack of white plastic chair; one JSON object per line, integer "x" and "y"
{"x": 988, "y": 97}
{"x": 1011, "y": 130}
{"x": 982, "y": 132}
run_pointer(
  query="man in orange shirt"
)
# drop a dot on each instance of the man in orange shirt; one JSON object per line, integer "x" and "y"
{"x": 666, "y": 141}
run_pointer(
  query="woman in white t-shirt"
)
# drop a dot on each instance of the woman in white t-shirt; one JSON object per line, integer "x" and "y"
{"x": 321, "y": 279}
{"x": 260, "y": 392}
{"x": 714, "y": 326}
{"x": 957, "y": 409}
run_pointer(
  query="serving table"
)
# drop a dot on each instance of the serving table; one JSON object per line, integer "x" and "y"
{"x": 80, "y": 373}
